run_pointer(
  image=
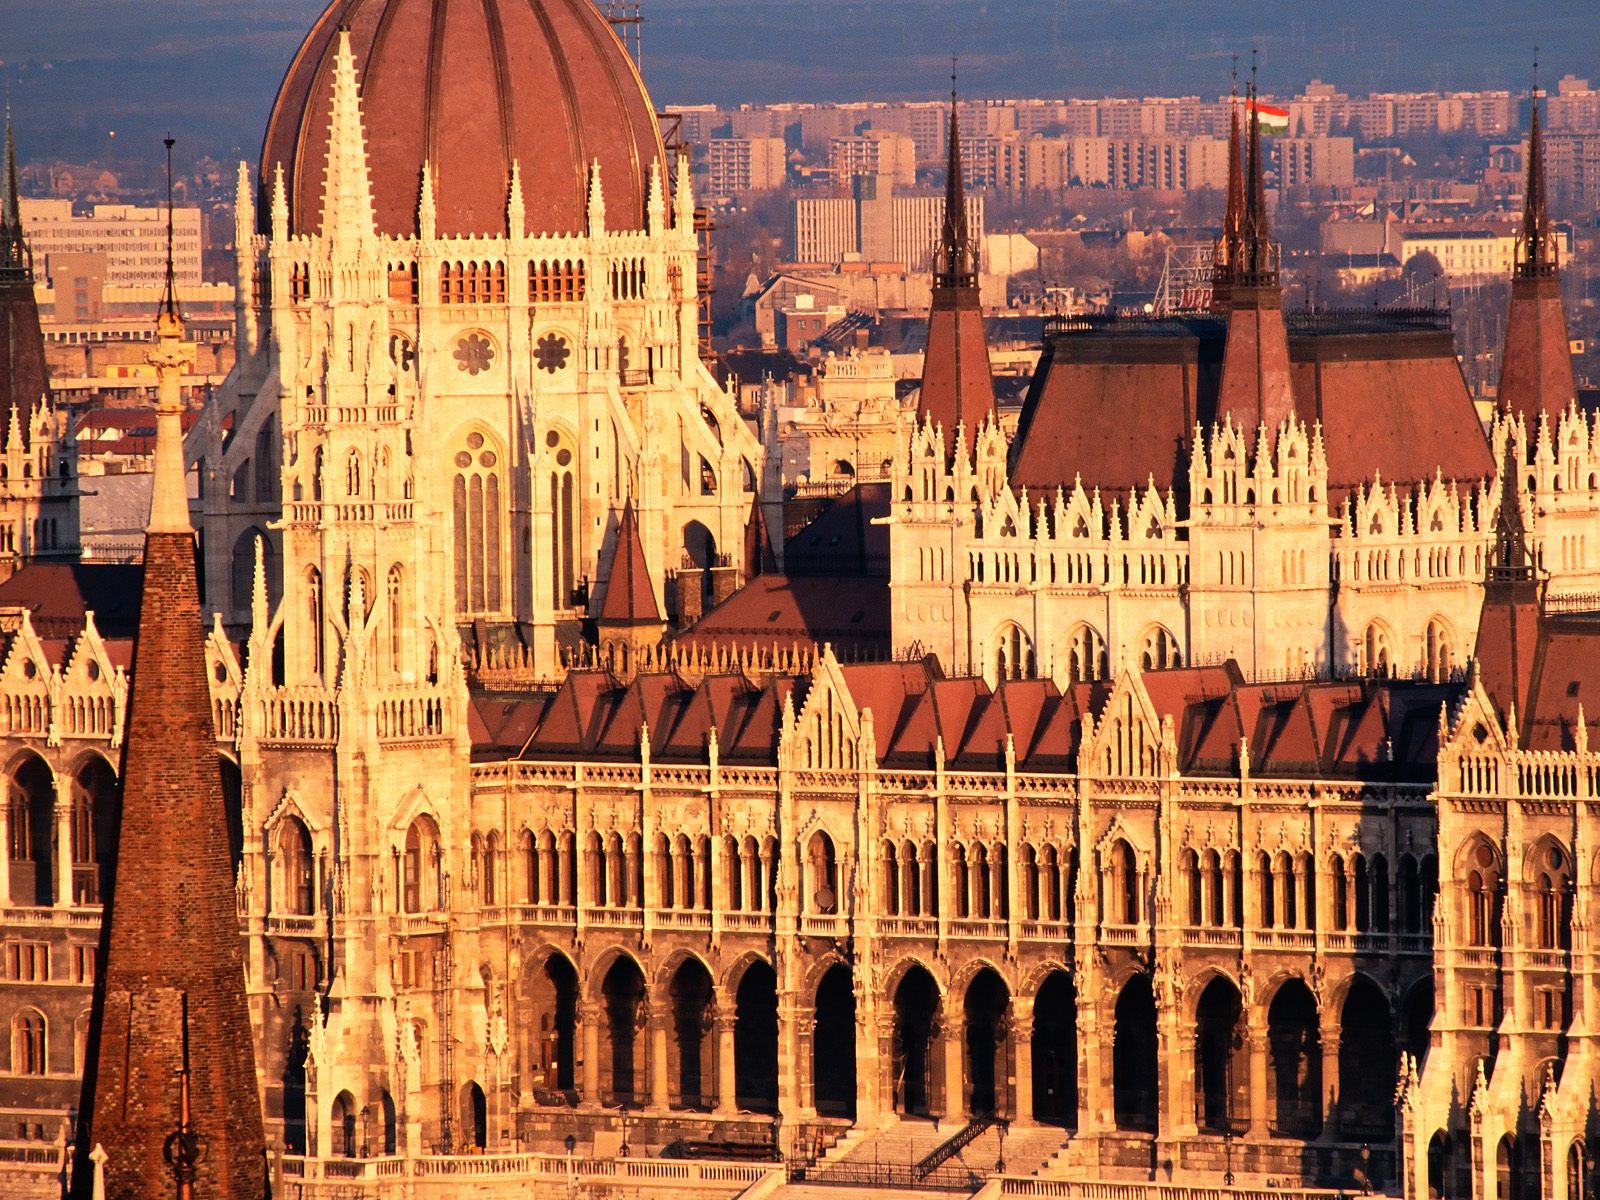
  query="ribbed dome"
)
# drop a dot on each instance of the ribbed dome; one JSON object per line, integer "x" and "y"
{"x": 470, "y": 86}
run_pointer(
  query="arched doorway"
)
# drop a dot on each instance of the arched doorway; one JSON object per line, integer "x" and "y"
{"x": 344, "y": 1125}
{"x": 833, "y": 1044}
{"x": 1368, "y": 1062}
{"x": 622, "y": 992}
{"x": 552, "y": 996}
{"x": 689, "y": 1056}
{"x": 916, "y": 1000}
{"x": 1295, "y": 1045}
{"x": 1221, "y": 1080}
{"x": 755, "y": 1040}
{"x": 1133, "y": 1056}
{"x": 391, "y": 1123}
{"x": 475, "y": 1115}
{"x": 32, "y": 829}
{"x": 1055, "y": 1052}
{"x": 986, "y": 1044}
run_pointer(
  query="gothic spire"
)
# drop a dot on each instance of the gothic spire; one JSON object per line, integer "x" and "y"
{"x": 1536, "y": 249}
{"x": 16, "y": 264}
{"x": 957, "y": 386}
{"x": 957, "y": 265}
{"x": 169, "y": 290}
{"x": 1226, "y": 263}
{"x": 347, "y": 191}
{"x": 1260, "y": 256}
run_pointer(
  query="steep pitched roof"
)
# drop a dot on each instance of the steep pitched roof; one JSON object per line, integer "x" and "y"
{"x": 630, "y": 594}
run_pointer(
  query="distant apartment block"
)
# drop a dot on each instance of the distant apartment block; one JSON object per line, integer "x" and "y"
{"x": 1574, "y": 107}
{"x": 131, "y": 240}
{"x": 879, "y": 152}
{"x": 1166, "y": 164}
{"x": 1316, "y": 162}
{"x": 743, "y": 166}
{"x": 1572, "y": 169}
{"x": 873, "y": 225}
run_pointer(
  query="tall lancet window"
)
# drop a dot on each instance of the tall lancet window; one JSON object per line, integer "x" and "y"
{"x": 314, "y": 617}
{"x": 563, "y": 519}
{"x": 476, "y": 504}
{"x": 394, "y": 617}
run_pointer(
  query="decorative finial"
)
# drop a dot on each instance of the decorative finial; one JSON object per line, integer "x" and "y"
{"x": 169, "y": 298}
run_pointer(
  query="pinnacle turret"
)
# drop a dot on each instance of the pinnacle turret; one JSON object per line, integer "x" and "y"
{"x": 16, "y": 263}
{"x": 347, "y": 190}
{"x": 1536, "y": 247}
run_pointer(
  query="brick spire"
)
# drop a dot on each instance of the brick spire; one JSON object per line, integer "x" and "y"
{"x": 1536, "y": 377}
{"x": 1256, "y": 387}
{"x": 171, "y": 961}
{"x": 957, "y": 387}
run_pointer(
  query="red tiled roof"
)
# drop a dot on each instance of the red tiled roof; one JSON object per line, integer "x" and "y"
{"x": 957, "y": 386}
{"x": 630, "y": 593}
{"x": 850, "y": 613}
{"x": 58, "y": 594}
{"x": 1536, "y": 369}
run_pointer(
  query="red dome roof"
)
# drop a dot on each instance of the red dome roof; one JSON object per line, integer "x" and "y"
{"x": 470, "y": 88}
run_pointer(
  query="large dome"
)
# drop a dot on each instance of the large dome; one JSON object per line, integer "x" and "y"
{"x": 470, "y": 87}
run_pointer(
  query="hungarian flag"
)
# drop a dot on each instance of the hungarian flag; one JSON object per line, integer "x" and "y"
{"x": 1273, "y": 119}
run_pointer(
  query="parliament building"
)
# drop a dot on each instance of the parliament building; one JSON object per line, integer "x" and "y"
{"x": 1197, "y": 784}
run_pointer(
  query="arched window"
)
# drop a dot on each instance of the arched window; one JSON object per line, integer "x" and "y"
{"x": 1086, "y": 655}
{"x": 1013, "y": 654}
{"x": 1438, "y": 651}
{"x": 1483, "y": 887}
{"x": 313, "y": 630}
{"x": 1160, "y": 650}
{"x": 476, "y": 508}
{"x": 1552, "y": 913}
{"x": 490, "y": 892}
{"x": 28, "y": 1043}
{"x": 1123, "y": 900}
{"x": 394, "y": 611}
{"x": 1375, "y": 653}
{"x": 823, "y": 873}
{"x": 420, "y": 880}
{"x": 562, "y": 462}
{"x": 297, "y": 894}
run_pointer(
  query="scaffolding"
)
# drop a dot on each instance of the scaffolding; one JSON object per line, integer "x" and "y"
{"x": 625, "y": 17}
{"x": 1186, "y": 281}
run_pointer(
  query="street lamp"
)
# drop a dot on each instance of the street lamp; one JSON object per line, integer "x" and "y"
{"x": 1227, "y": 1148}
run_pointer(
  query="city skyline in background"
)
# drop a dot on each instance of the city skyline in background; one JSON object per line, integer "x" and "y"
{"x": 78, "y": 71}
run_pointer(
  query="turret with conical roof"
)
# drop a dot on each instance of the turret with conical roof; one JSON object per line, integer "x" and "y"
{"x": 957, "y": 387}
{"x": 170, "y": 984}
{"x": 1536, "y": 368}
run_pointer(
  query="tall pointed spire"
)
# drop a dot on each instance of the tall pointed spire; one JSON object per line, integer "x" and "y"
{"x": 1536, "y": 246}
{"x": 1256, "y": 390}
{"x": 16, "y": 264}
{"x": 171, "y": 967}
{"x": 24, "y": 380}
{"x": 957, "y": 265}
{"x": 957, "y": 386}
{"x": 347, "y": 189}
{"x": 1225, "y": 266}
{"x": 1536, "y": 378}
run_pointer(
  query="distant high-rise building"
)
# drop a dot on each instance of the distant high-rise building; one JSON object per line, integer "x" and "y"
{"x": 744, "y": 166}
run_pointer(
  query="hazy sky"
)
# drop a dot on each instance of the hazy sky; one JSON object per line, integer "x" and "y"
{"x": 78, "y": 69}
